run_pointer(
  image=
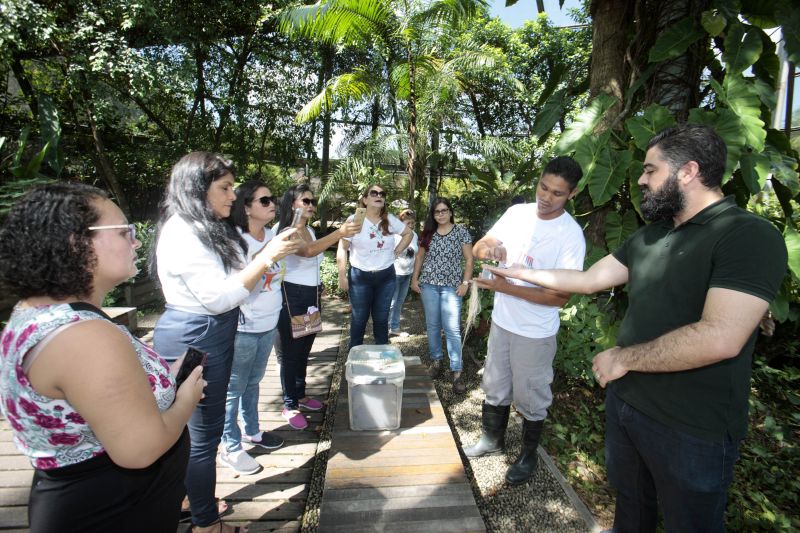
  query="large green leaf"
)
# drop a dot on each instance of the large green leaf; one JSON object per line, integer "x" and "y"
{"x": 675, "y": 40}
{"x": 604, "y": 169}
{"x": 547, "y": 117}
{"x": 713, "y": 22}
{"x": 585, "y": 123}
{"x": 792, "y": 239}
{"x": 634, "y": 172}
{"x": 743, "y": 99}
{"x": 742, "y": 47}
{"x": 755, "y": 170}
{"x": 789, "y": 20}
{"x": 642, "y": 128}
{"x": 619, "y": 228}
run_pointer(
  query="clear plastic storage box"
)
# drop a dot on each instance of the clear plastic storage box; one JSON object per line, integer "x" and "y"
{"x": 375, "y": 375}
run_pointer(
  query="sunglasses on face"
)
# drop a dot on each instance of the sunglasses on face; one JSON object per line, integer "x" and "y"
{"x": 266, "y": 200}
{"x": 376, "y": 194}
{"x": 309, "y": 201}
{"x": 131, "y": 230}
{"x": 441, "y": 211}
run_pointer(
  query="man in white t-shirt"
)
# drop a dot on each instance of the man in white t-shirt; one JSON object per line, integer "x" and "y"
{"x": 525, "y": 321}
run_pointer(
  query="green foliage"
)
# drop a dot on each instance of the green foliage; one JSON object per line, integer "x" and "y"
{"x": 764, "y": 494}
{"x": 329, "y": 276}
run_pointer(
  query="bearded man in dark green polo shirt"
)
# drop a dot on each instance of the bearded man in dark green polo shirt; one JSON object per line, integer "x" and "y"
{"x": 699, "y": 278}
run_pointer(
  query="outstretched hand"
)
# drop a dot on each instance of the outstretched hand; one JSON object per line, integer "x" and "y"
{"x": 507, "y": 272}
{"x": 282, "y": 245}
{"x": 348, "y": 229}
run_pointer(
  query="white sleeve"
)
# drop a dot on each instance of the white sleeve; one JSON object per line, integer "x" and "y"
{"x": 193, "y": 272}
{"x": 395, "y": 224}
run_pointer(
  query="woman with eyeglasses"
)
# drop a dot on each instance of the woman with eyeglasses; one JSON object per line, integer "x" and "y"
{"x": 371, "y": 281}
{"x": 205, "y": 274}
{"x": 403, "y": 268}
{"x": 96, "y": 411}
{"x": 442, "y": 274}
{"x": 253, "y": 209}
{"x": 301, "y": 290}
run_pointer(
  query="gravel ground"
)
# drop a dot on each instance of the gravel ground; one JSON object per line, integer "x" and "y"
{"x": 542, "y": 505}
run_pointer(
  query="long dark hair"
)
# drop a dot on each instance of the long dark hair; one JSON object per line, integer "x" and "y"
{"x": 187, "y": 197}
{"x": 430, "y": 223}
{"x": 244, "y": 198}
{"x": 384, "y": 223}
{"x": 286, "y": 209}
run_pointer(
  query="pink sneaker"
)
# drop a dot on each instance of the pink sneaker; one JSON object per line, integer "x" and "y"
{"x": 295, "y": 418}
{"x": 311, "y": 404}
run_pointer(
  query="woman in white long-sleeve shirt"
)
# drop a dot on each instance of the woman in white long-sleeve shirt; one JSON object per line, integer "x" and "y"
{"x": 201, "y": 263}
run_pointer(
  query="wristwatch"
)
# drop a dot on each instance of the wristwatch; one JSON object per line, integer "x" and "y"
{"x": 269, "y": 263}
{"x": 465, "y": 283}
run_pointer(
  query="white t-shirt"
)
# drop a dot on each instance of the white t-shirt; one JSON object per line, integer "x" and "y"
{"x": 534, "y": 243}
{"x": 192, "y": 277}
{"x": 404, "y": 265}
{"x": 370, "y": 249}
{"x": 263, "y": 307}
{"x": 303, "y": 270}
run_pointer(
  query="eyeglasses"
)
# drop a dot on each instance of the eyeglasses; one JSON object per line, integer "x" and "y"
{"x": 266, "y": 200}
{"x": 441, "y": 211}
{"x": 375, "y": 193}
{"x": 130, "y": 227}
{"x": 309, "y": 201}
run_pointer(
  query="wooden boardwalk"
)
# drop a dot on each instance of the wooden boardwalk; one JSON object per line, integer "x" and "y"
{"x": 409, "y": 479}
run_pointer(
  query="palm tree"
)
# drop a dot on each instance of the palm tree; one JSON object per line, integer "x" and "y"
{"x": 397, "y": 32}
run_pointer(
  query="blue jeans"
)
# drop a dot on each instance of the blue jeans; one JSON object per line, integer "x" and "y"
{"x": 213, "y": 334}
{"x": 443, "y": 311}
{"x": 651, "y": 464}
{"x": 370, "y": 294}
{"x": 400, "y": 293}
{"x": 250, "y": 353}
{"x": 294, "y": 352}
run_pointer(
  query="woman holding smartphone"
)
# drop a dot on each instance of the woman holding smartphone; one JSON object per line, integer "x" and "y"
{"x": 96, "y": 411}
{"x": 201, "y": 262}
{"x": 371, "y": 278}
{"x": 442, "y": 274}
{"x": 253, "y": 209}
{"x": 301, "y": 291}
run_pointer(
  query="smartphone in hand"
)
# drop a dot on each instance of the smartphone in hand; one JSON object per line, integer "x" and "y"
{"x": 361, "y": 214}
{"x": 297, "y": 217}
{"x": 191, "y": 360}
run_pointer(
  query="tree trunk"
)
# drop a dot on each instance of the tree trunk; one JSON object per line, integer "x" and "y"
{"x": 413, "y": 165}
{"x": 675, "y": 85}
{"x": 611, "y": 24}
{"x": 104, "y": 166}
{"x": 237, "y": 78}
{"x": 327, "y": 73}
{"x": 473, "y": 100}
{"x": 25, "y": 86}
{"x": 199, "y": 92}
{"x": 434, "y": 167}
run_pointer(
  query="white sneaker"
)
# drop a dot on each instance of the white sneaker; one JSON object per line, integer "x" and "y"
{"x": 239, "y": 461}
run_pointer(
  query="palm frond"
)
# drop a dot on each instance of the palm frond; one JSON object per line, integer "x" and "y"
{"x": 347, "y": 22}
{"x": 338, "y": 92}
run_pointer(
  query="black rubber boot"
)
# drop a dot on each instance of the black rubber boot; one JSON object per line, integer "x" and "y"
{"x": 494, "y": 420}
{"x": 525, "y": 465}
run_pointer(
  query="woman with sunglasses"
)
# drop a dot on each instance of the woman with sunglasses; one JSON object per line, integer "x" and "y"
{"x": 442, "y": 274}
{"x": 205, "y": 274}
{"x": 371, "y": 278}
{"x": 253, "y": 209}
{"x": 301, "y": 290}
{"x": 403, "y": 267}
{"x": 96, "y": 411}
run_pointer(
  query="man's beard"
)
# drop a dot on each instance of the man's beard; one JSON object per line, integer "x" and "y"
{"x": 665, "y": 202}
